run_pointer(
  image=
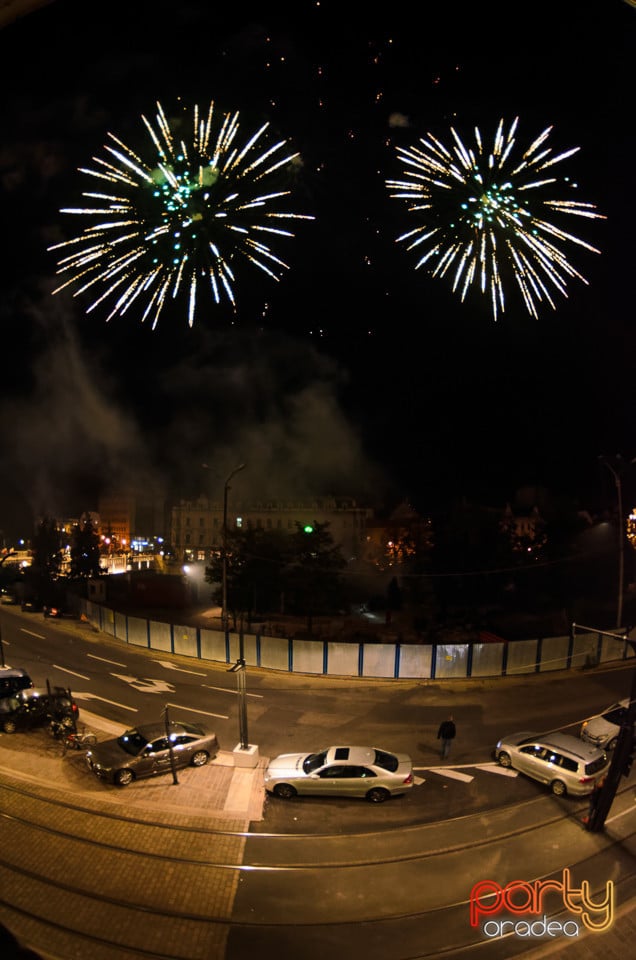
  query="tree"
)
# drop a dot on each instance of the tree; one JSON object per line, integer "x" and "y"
{"x": 313, "y": 582}
{"x": 255, "y": 562}
{"x": 46, "y": 550}
{"x": 85, "y": 549}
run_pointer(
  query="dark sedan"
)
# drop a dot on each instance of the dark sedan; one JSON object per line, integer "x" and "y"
{"x": 148, "y": 750}
{"x": 35, "y": 708}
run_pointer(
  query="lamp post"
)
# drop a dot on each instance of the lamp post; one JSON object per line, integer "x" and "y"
{"x": 615, "y": 471}
{"x": 244, "y": 754}
{"x": 224, "y": 557}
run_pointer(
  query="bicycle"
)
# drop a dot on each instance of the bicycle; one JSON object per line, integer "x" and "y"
{"x": 77, "y": 741}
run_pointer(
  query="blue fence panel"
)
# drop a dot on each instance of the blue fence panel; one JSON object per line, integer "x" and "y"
{"x": 338, "y": 658}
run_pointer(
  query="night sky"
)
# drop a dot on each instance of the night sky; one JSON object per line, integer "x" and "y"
{"x": 355, "y": 374}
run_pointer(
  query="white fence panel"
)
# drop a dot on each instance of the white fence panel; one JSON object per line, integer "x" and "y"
{"x": 308, "y": 656}
{"x": 415, "y": 661}
{"x": 185, "y": 640}
{"x": 522, "y": 657}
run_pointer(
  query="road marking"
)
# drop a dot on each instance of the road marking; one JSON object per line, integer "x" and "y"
{"x": 145, "y": 685}
{"x": 451, "y": 774}
{"x": 115, "y": 663}
{"x": 206, "y": 713}
{"x": 418, "y": 781}
{"x": 497, "y": 768}
{"x": 229, "y": 690}
{"x": 171, "y": 666}
{"x": 56, "y": 666}
{"x": 38, "y": 636}
{"x": 114, "y": 703}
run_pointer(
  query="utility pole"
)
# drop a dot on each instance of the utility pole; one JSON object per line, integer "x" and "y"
{"x": 224, "y": 620}
{"x": 616, "y": 473}
{"x": 623, "y": 755}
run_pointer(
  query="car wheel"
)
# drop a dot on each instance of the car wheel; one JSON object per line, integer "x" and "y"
{"x": 284, "y": 790}
{"x": 200, "y": 758}
{"x": 9, "y": 726}
{"x": 558, "y": 788}
{"x": 124, "y": 777}
{"x": 504, "y": 759}
{"x": 378, "y": 795}
{"x": 612, "y": 744}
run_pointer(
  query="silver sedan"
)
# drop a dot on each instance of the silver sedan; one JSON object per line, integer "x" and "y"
{"x": 149, "y": 749}
{"x": 341, "y": 771}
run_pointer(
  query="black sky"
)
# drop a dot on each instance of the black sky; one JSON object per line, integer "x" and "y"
{"x": 355, "y": 374}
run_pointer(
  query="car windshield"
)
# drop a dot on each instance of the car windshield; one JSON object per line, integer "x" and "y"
{"x": 386, "y": 760}
{"x": 132, "y": 742}
{"x": 314, "y": 761}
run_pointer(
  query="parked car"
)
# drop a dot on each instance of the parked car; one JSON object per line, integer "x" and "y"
{"x": 340, "y": 771}
{"x": 35, "y": 708}
{"x": 7, "y": 597}
{"x": 564, "y": 763}
{"x": 603, "y": 729}
{"x": 145, "y": 751}
{"x": 13, "y": 679}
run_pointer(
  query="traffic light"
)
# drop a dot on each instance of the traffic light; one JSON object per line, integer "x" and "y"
{"x": 308, "y": 528}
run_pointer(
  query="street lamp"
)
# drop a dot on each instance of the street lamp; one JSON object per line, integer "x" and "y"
{"x": 245, "y": 754}
{"x": 224, "y": 558}
{"x": 621, "y": 536}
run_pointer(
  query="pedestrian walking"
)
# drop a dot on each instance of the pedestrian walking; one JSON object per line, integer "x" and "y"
{"x": 446, "y": 734}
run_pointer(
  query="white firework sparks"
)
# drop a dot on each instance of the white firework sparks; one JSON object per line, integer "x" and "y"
{"x": 482, "y": 212}
{"x": 180, "y": 222}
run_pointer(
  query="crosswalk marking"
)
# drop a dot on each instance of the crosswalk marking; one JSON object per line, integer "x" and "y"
{"x": 451, "y": 774}
{"x": 454, "y": 773}
{"x": 497, "y": 768}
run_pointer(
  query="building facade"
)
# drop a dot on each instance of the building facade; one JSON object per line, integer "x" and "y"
{"x": 196, "y": 526}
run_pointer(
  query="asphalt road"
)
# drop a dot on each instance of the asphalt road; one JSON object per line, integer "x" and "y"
{"x": 291, "y": 713}
{"x": 334, "y": 876}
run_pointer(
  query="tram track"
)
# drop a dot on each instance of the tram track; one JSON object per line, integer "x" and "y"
{"x": 83, "y": 889}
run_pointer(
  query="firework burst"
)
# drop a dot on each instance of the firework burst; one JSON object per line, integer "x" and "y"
{"x": 485, "y": 214}
{"x": 164, "y": 229}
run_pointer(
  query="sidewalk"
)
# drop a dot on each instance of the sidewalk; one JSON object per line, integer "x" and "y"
{"x": 233, "y": 796}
